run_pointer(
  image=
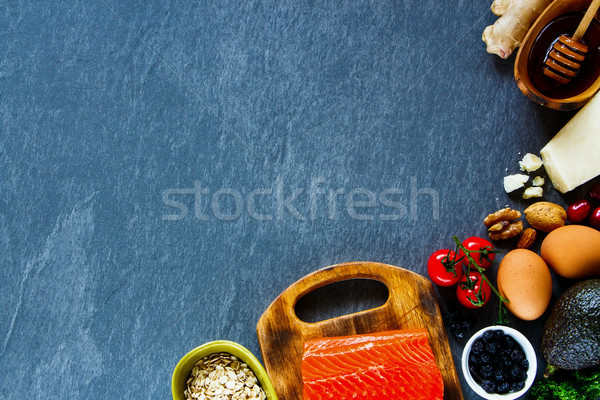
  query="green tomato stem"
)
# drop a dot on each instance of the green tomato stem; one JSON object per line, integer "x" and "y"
{"x": 459, "y": 246}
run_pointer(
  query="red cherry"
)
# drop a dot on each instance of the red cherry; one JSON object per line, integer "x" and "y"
{"x": 595, "y": 218}
{"x": 578, "y": 211}
{"x": 595, "y": 191}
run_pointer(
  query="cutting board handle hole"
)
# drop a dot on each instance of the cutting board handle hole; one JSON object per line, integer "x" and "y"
{"x": 341, "y": 298}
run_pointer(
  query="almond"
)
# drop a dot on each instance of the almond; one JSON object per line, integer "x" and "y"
{"x": 545, "y": 216}
{"x": 527, "y": 238}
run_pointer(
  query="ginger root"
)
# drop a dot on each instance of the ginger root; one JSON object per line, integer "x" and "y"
{"x": 516, "y": 17}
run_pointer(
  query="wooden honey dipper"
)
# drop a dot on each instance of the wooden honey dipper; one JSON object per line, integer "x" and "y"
{"x": 564, "y": 59}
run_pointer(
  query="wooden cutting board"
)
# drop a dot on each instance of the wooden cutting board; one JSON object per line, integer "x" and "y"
{"x": 411, "y": 304}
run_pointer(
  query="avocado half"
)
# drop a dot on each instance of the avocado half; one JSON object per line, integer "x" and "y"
{"x": 571, "y": 338}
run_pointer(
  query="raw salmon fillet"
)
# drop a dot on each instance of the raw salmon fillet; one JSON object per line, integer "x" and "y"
{"x": 385, "y": 365}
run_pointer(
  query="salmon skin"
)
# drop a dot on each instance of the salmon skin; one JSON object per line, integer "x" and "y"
{"x": 386, "y": 365}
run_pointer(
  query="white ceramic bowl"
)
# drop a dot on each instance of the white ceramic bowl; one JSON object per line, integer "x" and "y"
{"x": 529, "y": 354}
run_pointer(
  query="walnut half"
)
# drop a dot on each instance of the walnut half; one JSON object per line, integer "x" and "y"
{"x": 502, "y": 224}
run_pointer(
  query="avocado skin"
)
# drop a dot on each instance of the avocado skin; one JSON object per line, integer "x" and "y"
{"x": 571, "y": 338}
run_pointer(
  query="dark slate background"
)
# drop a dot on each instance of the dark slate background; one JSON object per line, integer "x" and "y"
{"x": 168, "y": 168}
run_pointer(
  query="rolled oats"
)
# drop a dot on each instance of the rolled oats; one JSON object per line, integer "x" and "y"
{"x": 221, "y": 376}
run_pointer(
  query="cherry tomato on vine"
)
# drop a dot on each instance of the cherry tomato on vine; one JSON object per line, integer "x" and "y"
{"x": 474, "y": 245}
{"x": 473, "y": 295}
{"x": 443, "y": 268}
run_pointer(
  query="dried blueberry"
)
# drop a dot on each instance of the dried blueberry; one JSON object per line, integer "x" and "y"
{"x": 502, "y": 388}
{"x": 488, "y": 385}
{"x": 466, "y": 325}
{"x": 516, "y": 386}
{"x": 507, "y": 343}
{"x": 486, "y": 371}
{"x": 477, "y": 347}
{"x": 484, "y": 358}
{"x": 458, "y": 324}
{"x": 473, "y": 359}
{"x": 499, "y": 375}
{"x": 457, "y": 331}
{"x": 518, "y": 374}
{"x": 492, "y": 348}
{"x": 517, "y": 355}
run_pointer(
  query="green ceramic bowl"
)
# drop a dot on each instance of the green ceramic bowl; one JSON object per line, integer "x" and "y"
{"x": 184, "y": 367}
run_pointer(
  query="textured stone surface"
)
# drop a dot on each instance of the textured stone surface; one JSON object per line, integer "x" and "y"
{"x": 169, "y": 167}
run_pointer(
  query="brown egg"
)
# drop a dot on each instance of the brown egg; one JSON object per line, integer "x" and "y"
{"x": 525, "y": 280}
{"x": 573, "y": 251}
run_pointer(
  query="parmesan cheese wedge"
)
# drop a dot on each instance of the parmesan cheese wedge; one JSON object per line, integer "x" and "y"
{"x": 572, "y": 157}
